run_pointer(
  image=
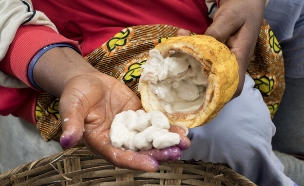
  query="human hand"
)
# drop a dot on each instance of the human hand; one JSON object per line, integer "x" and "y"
{"x": 88, "y": 106}
{"x": 237, "y": 24}
{"x": 89, "y": 101}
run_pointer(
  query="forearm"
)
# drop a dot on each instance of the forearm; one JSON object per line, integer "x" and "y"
{"x": 25, "y": 46}
{"x": 56, "y": 66}
{"x": 22, "y": 50}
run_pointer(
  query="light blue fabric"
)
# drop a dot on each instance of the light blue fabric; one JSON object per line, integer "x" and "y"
{"x": 286, "y": 18}
{"x": 289, "y": 119}
{"x": 240, "y": 136}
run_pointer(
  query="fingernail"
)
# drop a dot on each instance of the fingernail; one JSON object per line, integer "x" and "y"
{"x": 174, "y": 153}
{"x": 65, "y": 141}
{"x": 153, "y": 164}
{"x": 183, "y": 145}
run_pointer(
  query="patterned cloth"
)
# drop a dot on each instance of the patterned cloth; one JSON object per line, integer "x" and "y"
{"x": 286, "y": 18}
{"x": 123, "y": 55}
{"x": 267, "y": 68}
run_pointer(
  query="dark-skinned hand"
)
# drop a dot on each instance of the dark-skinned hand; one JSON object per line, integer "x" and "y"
{"x": 89, "y": 101}
{"x": 237, "y": 24}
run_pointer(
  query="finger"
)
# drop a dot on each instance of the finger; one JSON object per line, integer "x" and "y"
{"x": 182, "y": 131}
{"x": 243, "y": 45}
{"x": 220, "y": 28}
{"x": 243, "y": 48}
{"x": 100, "y": 143}
{"x": 72, "y": 133}
{"x": 72, "y": 117}
{"x": 75, "y": 103}
{"x": 183, "y": 32}
{"x": 169, "y": 153}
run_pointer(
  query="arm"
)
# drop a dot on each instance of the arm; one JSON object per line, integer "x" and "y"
{"x": 89, "y": 100}
{"x": 13, "y": 14}
{"x": 16, "y": 50}
{"x": 22, "y": 50}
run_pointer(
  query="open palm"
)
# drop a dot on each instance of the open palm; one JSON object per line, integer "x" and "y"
{"x": 88, "y": 105}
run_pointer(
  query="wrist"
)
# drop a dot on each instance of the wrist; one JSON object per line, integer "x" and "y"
{"x": 56, "y": 66}
{"x": 36, "y": 58}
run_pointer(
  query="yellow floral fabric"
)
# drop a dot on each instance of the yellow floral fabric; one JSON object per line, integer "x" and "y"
{"x": 267, "y": 68}
{"x": 123, "y": 55}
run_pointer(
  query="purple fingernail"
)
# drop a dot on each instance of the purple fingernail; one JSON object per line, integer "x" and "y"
{"x": 174, "y": 153}
{"x": 153, "y": 163}
{"x": 183, "y": 145}
{"x": 65, "y": 141}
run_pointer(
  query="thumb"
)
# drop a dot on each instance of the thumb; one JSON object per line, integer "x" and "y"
{"x": 72, "y": 132}
{"x": 72, "y": 119}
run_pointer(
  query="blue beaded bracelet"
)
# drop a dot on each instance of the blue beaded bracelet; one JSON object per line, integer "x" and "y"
{"x": 38, "y": 55}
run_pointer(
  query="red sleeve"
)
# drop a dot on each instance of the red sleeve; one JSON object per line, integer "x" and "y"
{"x": 28, "y": 41}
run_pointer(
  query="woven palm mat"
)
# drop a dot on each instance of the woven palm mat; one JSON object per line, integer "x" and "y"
{"x": 79, "y": 166}
{"x": 123, "y": 55}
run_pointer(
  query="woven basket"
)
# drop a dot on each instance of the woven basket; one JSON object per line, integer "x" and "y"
{"x": 79, "y": 166}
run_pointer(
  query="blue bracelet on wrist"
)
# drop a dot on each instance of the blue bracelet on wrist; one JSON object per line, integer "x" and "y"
{"x": 38, "y": 55}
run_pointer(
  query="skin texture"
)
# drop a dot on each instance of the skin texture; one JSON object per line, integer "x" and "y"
{"x": 237, "y": 24}
{"x": 89, "y": 100}
{"x": 238, "y": 29}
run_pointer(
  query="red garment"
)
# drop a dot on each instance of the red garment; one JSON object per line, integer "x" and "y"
{"x": 91, "y": 23}
{"x": 22, "y": 102}
{"x": 18, "y": 102}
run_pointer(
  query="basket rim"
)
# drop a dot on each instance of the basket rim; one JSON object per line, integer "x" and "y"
{"x": 39, "y": 167}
